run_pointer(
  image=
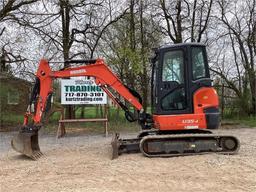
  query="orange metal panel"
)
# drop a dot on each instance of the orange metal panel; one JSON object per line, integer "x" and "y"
{"x": 179, "y": 122}
{"x": 203, "y": 98}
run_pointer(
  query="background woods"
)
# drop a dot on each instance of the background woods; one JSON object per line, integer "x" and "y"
{"x": 123, "y": 32}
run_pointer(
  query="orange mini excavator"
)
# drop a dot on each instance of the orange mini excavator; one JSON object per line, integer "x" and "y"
{"x": 185, "y": 106}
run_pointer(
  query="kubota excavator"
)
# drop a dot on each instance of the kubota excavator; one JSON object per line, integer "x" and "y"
{"x": 185, "y": 106}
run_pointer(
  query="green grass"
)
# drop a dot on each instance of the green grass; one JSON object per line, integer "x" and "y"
{"x": 95, "y": 127}
{"x": 117, "y": 123}
{"x": 249, "y": 122}
{"x": 246, "y": 121}
{"x": 11, "y": 119}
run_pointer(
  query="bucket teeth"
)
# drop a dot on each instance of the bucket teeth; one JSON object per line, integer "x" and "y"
{"x": 37, "y": 155}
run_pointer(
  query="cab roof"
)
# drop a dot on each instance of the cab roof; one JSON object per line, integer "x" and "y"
{"x": 181, "y": 45}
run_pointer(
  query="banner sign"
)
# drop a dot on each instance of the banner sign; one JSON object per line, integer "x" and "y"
{"x": 85, "y": 91}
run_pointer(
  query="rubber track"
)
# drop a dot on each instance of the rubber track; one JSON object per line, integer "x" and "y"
{"x": 177, "y": 136}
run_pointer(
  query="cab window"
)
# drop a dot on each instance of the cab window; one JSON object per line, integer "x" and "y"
{"x": 198, "y": 63}
{"x": 173, "y": 69}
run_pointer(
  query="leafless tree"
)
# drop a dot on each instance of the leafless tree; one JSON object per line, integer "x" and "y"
{"x": 237, "y": 22}
{"x": 10, "y": 51}
{"x": 184, "y": 20}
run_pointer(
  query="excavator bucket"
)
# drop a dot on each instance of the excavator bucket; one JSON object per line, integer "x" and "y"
{"x": 26, "y": 143}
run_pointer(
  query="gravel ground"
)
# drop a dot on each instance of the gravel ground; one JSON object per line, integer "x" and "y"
{"x": 82, "y": 163}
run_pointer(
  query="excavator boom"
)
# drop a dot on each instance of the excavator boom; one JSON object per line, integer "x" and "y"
{"x": 26, "y": 142}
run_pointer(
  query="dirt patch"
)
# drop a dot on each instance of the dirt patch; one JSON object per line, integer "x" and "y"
{"x": 82, "y": 163}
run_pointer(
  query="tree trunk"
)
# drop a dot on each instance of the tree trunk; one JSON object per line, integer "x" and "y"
{"x": 131, "y": 76}
{"x": 144, "y": 82}
{"x": 179, "y": 22}
{"x": 64, "y": 11}
{"x": 82, "y": 112}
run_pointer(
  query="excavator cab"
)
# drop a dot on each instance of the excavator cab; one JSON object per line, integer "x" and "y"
{"x": 175, "y": 77}
{"x": 178, "y": 72}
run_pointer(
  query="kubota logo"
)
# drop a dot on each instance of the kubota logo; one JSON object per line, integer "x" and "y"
{"x": 77, "y": 71}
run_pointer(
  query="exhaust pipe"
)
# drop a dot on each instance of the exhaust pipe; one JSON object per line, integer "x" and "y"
{"x": 26, "y": 142}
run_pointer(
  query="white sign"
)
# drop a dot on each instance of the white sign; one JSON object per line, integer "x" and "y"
{"x": 81, "y": 91}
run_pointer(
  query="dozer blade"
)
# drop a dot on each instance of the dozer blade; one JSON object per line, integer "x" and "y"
{"x": 26, "y": 142}
{"x": 120, "y": 146}
{"x": 115, "y": 146}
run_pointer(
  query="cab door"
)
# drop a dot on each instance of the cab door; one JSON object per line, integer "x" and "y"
{"x": 172, "y": 96}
